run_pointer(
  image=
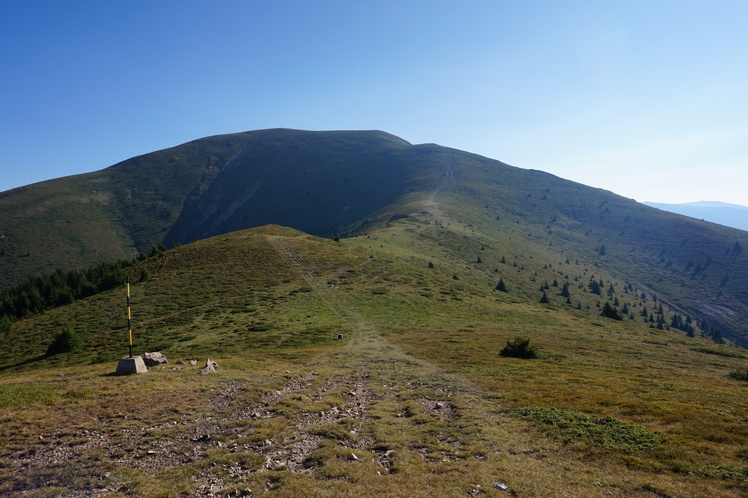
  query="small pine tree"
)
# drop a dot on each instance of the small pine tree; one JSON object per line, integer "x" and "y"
{"x": 6, "y": 324}
{"x": 66, "y": 341}
{"x": 431, "y": 265}
{"x": 519, "y": 347}
{"x": 544, "y": 298}
{"x": 565, "y": 290}
{"x": 611, "y": 312}
{"x": 501, "y": 286}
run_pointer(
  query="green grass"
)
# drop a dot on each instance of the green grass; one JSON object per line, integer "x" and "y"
{"x": 22, "y": 395}
{"x": 605, "y": 432}
{"x": 415, "y": 400}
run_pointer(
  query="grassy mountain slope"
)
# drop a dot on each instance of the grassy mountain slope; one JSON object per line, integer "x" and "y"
{"x": 346, "y": 183}
{"x": 414, "y": 400}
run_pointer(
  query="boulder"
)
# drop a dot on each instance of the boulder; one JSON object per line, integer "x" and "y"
{"x": 210, "y": 367}
{"x": 154, "y": 359}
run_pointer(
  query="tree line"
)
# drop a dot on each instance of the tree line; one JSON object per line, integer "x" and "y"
{"x": 62, "y": 287}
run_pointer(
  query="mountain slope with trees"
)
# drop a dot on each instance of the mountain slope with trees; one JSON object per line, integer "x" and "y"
{"x": 341, "y": 184}
{"x": 382, "y": 364}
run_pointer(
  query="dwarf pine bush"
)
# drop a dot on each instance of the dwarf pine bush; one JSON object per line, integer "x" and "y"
{"x": 66, "y": 341}
{"x": 519, "y": 347}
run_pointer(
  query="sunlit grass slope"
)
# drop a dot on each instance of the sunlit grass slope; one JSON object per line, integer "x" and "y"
{"x": 414, "y": 400}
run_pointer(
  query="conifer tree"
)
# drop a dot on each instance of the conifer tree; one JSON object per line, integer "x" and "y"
{"x": 610, "y": 312}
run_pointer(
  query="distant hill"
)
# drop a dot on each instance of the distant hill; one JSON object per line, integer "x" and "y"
{"x": 730, "y": 215}
{"x": 524, "y": 226}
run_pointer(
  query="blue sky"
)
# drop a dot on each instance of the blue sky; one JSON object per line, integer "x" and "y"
{"x": 648, "y": 99}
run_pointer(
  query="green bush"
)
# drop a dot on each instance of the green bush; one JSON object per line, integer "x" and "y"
{"x": 739, "y": 375}
{"x": 66, "y": 341}
{"x": 519, "y": 347}
{"x": 6, "y": 324}
{"x": 605, "y": 432}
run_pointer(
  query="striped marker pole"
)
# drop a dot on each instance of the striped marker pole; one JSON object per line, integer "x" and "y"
{"x": 129, "y": 316}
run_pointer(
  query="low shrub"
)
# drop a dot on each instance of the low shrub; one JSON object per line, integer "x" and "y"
{"x": 739, "y": 375}
{"x": 605, "y": 432}
{"x": 519, "y": 347}
{"x": 66, "y": 341}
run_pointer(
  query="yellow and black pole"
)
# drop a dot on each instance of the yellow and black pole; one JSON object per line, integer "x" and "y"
{"x": 129, "y": 316}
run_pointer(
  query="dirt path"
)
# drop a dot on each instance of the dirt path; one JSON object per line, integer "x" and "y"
{"x": 380, "y": 373}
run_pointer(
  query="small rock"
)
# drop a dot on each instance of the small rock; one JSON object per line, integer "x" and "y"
{"x": 353, "y": 456}
{"x": 193, "y": 363}
{"x": 210, "y": 367}
{"x": 154, "y": 359}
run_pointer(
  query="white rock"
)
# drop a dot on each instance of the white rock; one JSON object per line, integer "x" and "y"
{"x": 154, "y": 359}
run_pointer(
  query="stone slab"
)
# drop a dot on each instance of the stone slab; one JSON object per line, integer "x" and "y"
{"x": 131, "y": 365}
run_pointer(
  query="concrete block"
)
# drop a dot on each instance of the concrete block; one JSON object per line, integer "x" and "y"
{"x": 131, "y": 365}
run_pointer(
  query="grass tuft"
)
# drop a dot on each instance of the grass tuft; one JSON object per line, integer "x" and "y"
{"x": 604, "y": 432}
{"x": 26, "y": 394}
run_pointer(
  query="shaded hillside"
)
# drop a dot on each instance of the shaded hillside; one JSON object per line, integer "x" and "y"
{"x": 335, "y": 184}
{"x": 321, "y": 183}
{"x": 413, "y": 400}
{"x": 179, "y": 194}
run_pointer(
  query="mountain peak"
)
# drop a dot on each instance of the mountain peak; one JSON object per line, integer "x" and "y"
{"x": 338, "y": 184}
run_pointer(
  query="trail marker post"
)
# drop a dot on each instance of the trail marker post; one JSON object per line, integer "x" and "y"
{"x": 129, "y": 317}
{"x": 130, "y": 364}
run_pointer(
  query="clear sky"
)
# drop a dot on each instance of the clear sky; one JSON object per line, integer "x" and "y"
{"x": 648, "y": 99}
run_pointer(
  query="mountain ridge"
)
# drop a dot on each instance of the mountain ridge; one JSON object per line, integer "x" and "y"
{"x": 341, "y": 183}
{"x": 731, "y": 215}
